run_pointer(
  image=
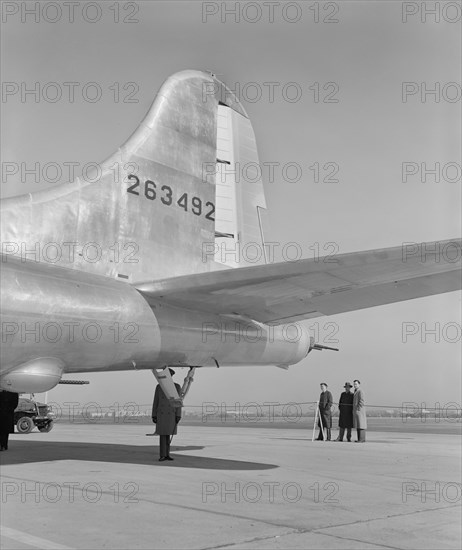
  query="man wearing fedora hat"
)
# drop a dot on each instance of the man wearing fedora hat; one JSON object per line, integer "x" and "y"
{"x": 325, "y": 415}
{"x": 345, "y": 407}
{"x": 166, "y": 418}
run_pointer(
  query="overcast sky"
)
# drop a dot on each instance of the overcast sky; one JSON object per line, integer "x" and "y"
{"x": 349, "y": 71}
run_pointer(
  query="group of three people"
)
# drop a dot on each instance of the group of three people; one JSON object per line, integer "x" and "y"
{"x": 352, "y": 413}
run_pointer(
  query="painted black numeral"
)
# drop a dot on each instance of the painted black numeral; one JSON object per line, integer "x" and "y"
{"x": 167, "y": 200}
{"x": 150, "y": 190}
{"x": 210, "y": 214}
{"x": 132, "y": 188}
{"x": 182, "y": 202}
{"x": 196, "y": 206}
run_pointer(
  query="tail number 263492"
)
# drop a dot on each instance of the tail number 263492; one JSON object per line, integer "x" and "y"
{"x": 167, "y": 197}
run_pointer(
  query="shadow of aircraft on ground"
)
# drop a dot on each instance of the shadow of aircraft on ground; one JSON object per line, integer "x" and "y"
{"x": 26, "y": 452}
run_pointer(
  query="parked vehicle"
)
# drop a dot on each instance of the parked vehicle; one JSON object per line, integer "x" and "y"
{"x": 30, "y": 413}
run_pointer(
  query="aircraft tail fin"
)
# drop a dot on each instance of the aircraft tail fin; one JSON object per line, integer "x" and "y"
{"x": 165, "y": 200}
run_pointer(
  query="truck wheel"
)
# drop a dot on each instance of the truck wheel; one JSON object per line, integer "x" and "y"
{"x": 25, "y": 425}
{"x": 46, "y": 428}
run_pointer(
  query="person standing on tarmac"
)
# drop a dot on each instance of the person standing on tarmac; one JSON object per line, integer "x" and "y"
{"x": 325, "y": 415}
{"x": 166, "y": 418}
{"x": 8, "y": 403}
{"x": 359, "y": 412}
{"x": 345, "y": 407}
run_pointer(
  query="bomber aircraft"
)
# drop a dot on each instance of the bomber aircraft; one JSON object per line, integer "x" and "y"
{"x": 127, "y": 271}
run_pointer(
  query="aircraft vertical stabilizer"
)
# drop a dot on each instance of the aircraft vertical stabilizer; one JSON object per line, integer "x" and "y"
{"x": 156, "y": 208}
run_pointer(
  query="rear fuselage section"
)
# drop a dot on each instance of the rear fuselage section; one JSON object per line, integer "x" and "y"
{"x": 56, "y": 320}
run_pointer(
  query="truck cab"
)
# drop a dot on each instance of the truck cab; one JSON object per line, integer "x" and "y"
{"x": 30, "y": 413}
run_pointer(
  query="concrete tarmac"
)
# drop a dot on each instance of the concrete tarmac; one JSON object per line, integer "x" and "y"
{"x": 101, "y": 486}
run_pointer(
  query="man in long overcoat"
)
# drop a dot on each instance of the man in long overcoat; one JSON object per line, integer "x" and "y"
{"x": 345, "y": 407}
{"x": 325, "y": 415}
{"x": 166, "y": 418}
{"x": 8, "y": 403}
{"x": 359, "y": 412}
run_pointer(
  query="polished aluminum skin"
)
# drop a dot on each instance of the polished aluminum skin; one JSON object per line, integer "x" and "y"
{"x": 116, "y": 273}
{"x": 72, "y": 253}
{"x": 55, "y": 320}
{"x": 136, "y": 237}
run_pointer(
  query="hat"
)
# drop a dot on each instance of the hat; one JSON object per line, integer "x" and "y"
{"x": 347, "y": 384}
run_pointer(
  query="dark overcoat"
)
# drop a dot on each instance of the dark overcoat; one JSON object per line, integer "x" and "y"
{"x": 164, "y": 412}
{"x": 345, "y": 407}
{"x": 325, "y": 404}
{"x": 359, "y": 410}
{"x": 8, "y": 403}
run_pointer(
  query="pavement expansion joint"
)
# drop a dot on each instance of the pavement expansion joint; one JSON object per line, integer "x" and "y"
{"x": 358, "y": 540}
{"x": 249, "y": 541}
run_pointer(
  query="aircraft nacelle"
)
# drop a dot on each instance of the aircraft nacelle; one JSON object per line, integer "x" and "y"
{"x": 210, "y": 340}
{"x": 36, "y": 376}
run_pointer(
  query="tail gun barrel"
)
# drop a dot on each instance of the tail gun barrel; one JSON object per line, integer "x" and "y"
{"x": 319, "y": 347}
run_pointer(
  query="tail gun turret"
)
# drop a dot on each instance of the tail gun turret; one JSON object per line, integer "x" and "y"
{"x": 320, "y": 347}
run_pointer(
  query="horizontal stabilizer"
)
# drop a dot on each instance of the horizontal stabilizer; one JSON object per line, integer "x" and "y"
{"x": 283, "y": 292}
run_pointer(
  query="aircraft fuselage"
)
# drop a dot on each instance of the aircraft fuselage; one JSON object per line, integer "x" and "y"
{"x": 56, "y": 320}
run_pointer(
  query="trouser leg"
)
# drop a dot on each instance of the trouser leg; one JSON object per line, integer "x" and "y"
{"x": 163, "y": 441}
{"x": 4, "y": 440}
{"x": 320, "y": 434}
{"x": 328, "y": 434}
{"x": 358, "y": 433}
{"x": 348, "y": 434}
{"x": 341, "y": 433}
{"x": 168, "y": 445}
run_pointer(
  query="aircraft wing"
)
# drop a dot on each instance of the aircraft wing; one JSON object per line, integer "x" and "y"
{"x": 290, "y": 291}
